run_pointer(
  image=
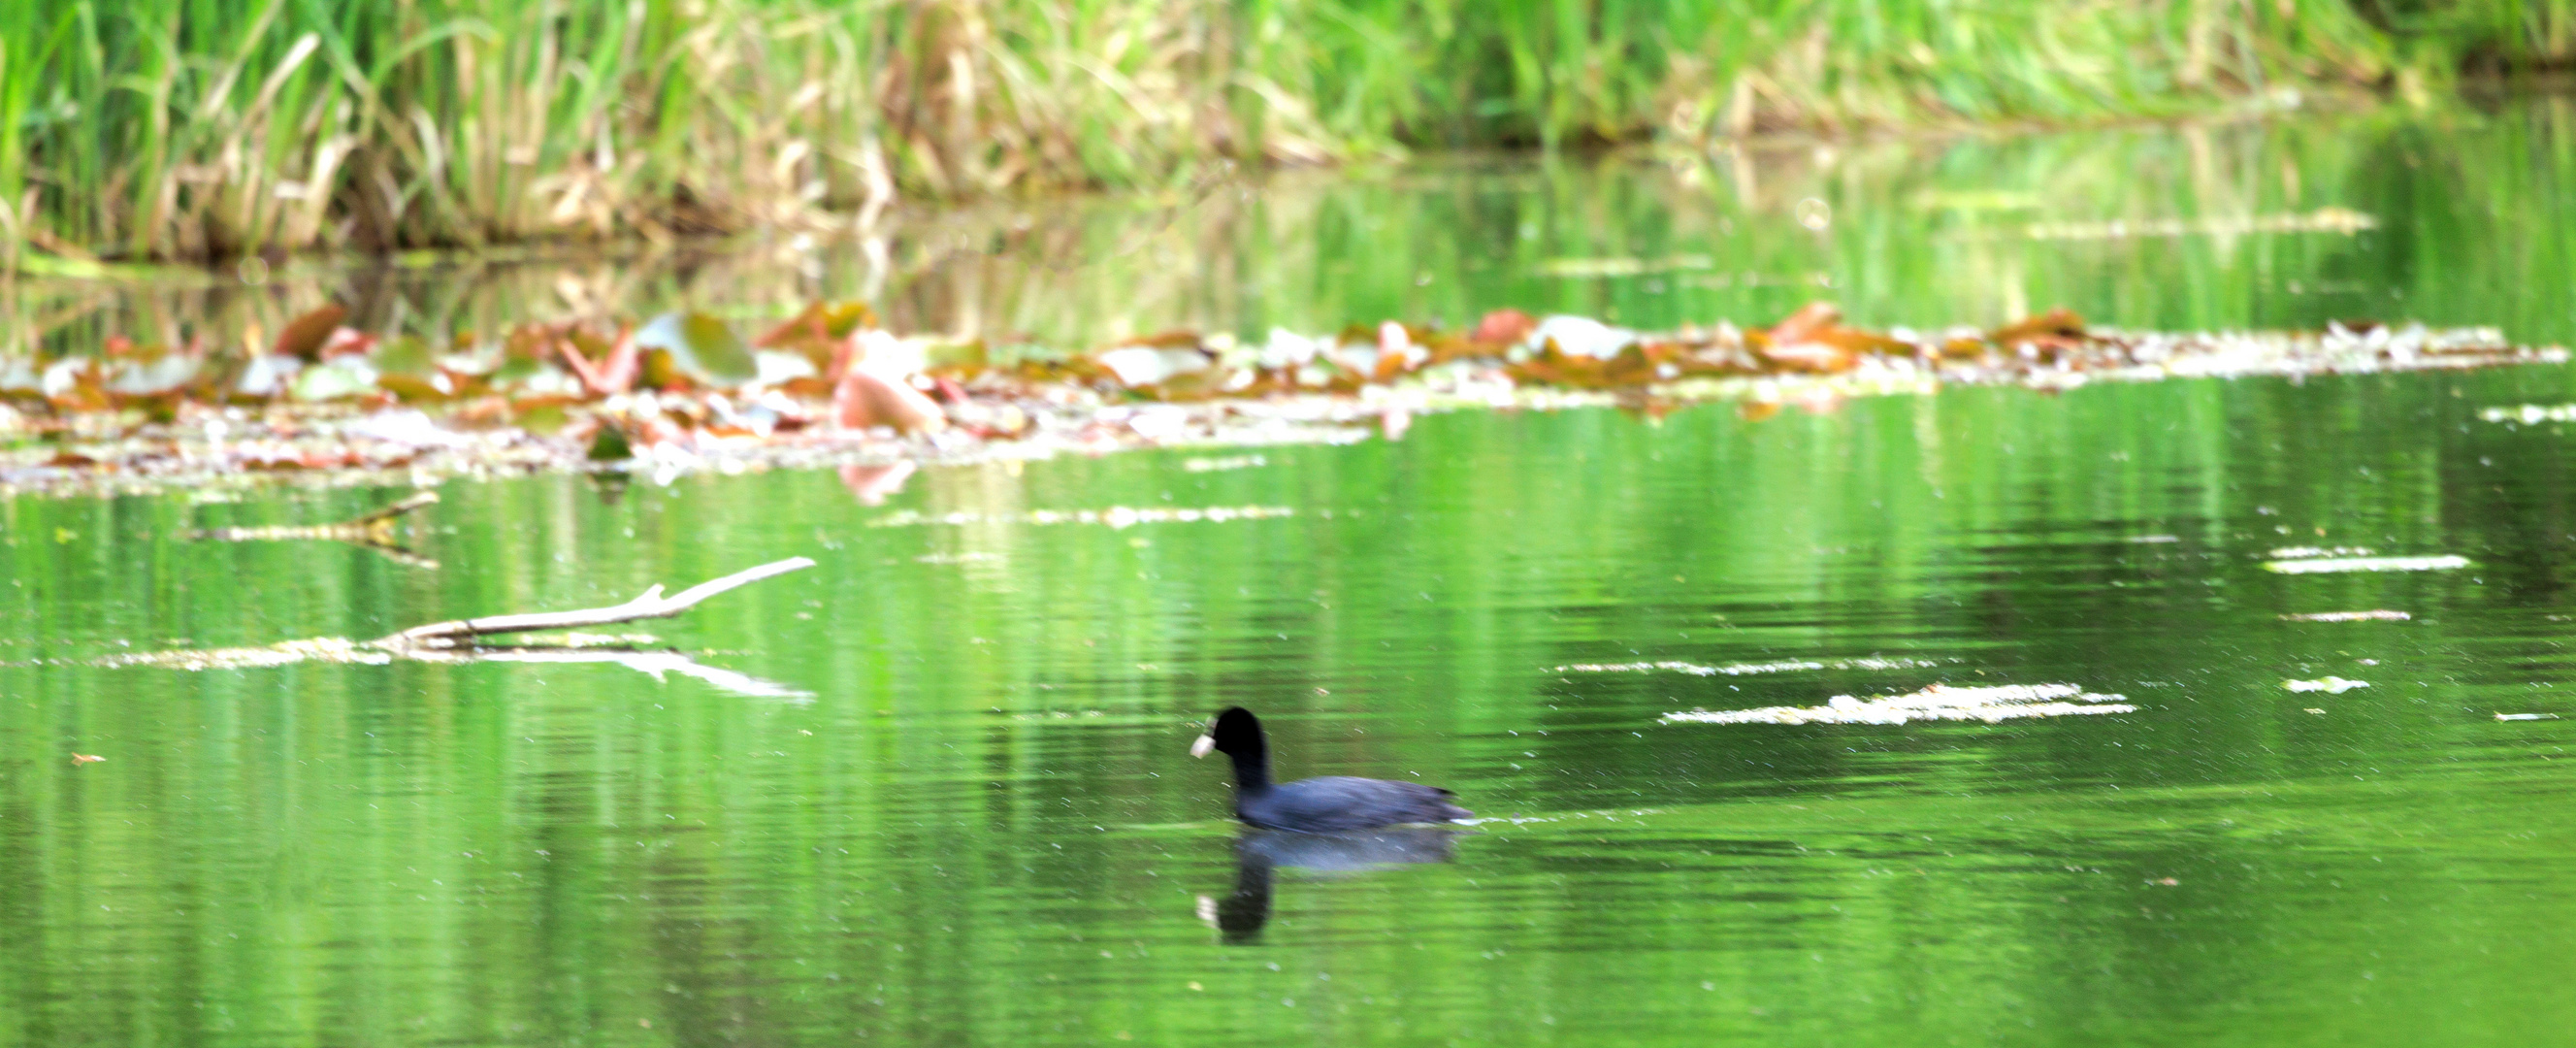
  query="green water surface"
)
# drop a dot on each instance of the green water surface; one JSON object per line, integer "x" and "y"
{"x": 981, "y": 826}
{"x": 939, "y": 791}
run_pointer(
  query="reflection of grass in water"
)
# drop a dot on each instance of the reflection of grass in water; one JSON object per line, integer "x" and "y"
{"x": 166, "y": 128}
{"x": 2471, "y": 210}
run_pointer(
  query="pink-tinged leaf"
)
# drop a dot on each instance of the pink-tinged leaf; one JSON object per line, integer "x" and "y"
{"x": 1805, "y": 324}
{"x": 346, "y": 340}
{"x": 1808, "y": 356}
{"x": 613, "y": 375}
{"x": 864, "y": 399}
{"x": 1504, "y": 327}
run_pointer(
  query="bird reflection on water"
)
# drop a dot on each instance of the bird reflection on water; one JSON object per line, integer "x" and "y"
{"x": 1240, "y": 916}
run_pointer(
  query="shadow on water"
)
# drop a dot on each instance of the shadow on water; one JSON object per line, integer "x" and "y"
{"x": 1259, "y": 853}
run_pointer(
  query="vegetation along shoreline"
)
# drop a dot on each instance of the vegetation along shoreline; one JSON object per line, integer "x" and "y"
{"x": 162, "y": 130}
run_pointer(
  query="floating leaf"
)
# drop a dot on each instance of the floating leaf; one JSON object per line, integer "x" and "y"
{"x": 1855, "y": 340}
{"x": 543, "y": 417}
{"x": 405, "y": 355}
{"x": 166, "y": 373}
{"x": 960, "y": 360}
{"x": 1582, "y": 336}
{"x": 820, "y": 331}
{"x": 1397, "y": 352}
{"x": 1814, "y": 339}
{"x": 1137, "y": 366}
{"x": 610, "y": 445}
{"x": 516, "y": 370}
{"x": 2058, "y": 323}
{"x": 700, "y": 347}
{"x": 407, "y": 368}
{"x": 1507, "y": 327}
{"x": 1809, "y": 356}
{"x": 841, "y": 318}
{"x": 304, "y": 336}
{"x": 344, "y": 377}
{"x": 1804, "y": 324}
{"x": 605, "y": 368}
{"x": 529, "y": 342}
{"x": 659, "y": 369}
{"x": 864, "y": 400}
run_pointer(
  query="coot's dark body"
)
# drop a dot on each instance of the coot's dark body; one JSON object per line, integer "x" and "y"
{"x": 1331, "y": 804}
{"x": 1336, "y": 803}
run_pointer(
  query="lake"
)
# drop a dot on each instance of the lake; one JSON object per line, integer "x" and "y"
{"x": 937, "y": 789}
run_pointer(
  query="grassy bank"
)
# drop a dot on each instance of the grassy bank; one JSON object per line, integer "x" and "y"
{"x": 210, "y": 128}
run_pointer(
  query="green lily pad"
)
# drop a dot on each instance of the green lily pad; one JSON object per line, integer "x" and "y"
{"x": 344, "y": 377}
{"x": 407, "y": 355}
{"x": 701, "y": 348}
{"x": 610, "y": 445}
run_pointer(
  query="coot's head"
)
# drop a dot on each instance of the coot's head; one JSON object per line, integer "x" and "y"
{"x": 1236, "y": 732}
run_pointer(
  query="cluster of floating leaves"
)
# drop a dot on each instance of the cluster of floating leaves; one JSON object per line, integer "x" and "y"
{"x": 682, "y": 392}
{"x": 1988, "y": 703}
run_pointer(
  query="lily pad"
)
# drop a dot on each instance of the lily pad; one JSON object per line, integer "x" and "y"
{"x": 610, "y": 445}
{"x": 344, "y": 377}
{"x": 701, "y": 347}
{"x": 407, "y": 355}
{"x": 303, "y": 337}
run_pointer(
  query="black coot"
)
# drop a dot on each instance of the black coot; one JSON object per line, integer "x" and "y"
{"x": 1331, "y": 804}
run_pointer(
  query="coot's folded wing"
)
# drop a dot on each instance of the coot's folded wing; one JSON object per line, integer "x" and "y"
{"x": 1338, "y": 802}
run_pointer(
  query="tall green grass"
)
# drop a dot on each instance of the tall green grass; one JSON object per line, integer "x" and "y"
{"x": 214, "y": 128}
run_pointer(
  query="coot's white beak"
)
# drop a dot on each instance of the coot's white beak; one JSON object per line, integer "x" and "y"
{"x": 1206, "y": 745}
